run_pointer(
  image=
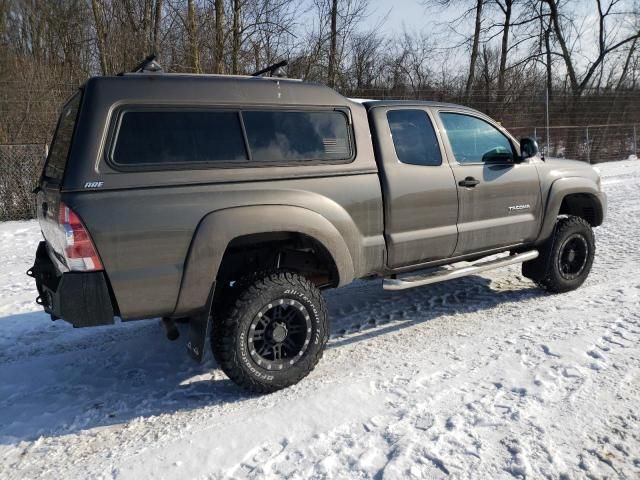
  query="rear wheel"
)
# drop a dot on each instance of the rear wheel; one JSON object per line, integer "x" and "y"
{"x": 273, "y": 332}
{"x": 566, "y": 259}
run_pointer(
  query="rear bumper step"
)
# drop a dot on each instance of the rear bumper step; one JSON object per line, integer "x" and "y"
{"x": 441, "y": 276}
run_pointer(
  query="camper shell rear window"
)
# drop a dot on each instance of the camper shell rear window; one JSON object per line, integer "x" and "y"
{"x": 61, "y": 143}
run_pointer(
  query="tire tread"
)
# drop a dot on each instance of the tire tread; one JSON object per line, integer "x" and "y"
{"x": 225, "y": 327}
{"x": 550, "y": 281}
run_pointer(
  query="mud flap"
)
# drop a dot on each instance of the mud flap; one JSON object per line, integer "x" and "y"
{"x": 537, "y": 269}
{"x": 199, "y": 325}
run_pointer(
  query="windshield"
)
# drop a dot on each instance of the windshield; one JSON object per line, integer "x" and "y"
{"x": 54, "y": 168}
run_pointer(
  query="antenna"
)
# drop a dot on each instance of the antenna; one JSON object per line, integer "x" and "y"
{"x": 271, "y": 69}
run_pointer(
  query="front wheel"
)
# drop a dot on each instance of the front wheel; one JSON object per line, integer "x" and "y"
{"x": 566, "y": 258}
{"x": 273, "y": 334}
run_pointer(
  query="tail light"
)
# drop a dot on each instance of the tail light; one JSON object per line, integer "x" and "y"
{"x": 78, "y": 249}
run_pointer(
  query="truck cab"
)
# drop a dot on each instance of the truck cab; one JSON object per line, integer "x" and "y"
{"x": 454, "y": 183}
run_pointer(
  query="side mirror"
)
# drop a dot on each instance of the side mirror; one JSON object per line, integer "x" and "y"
{"x": 528, "y": 148}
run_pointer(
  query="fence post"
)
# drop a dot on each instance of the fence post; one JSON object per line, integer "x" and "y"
{"x": 588, "y": 147}
{"x": 635, "y": 141}
{"x": 535, "y": 133}
{"x": 547, "y": 117}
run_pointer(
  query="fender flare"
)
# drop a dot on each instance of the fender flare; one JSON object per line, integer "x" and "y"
{"x": 562, "y": 187}
{"x": 217, "y": 229}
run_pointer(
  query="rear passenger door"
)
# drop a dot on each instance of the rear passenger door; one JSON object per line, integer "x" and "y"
{"x": 499, "y": 197}
{"x": 420, "y": 199}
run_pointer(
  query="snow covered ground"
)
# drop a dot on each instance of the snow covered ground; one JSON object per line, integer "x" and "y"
{"x": 483, "y": 377}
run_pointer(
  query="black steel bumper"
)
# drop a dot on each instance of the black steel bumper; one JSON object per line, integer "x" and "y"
{"x": 80, "y": 298}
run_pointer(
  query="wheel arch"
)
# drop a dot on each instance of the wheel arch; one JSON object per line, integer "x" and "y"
{"x": 222, "y": 230}
{"x": 583, "y": 205}
{"x": 282, "y": 250}
{"x": 576, "y": 196}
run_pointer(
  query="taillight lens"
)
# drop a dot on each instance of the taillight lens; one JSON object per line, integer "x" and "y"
{"x": 79, "y": 251}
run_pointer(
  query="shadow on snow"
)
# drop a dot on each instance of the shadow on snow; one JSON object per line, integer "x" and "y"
{"x": 56, "y": 380}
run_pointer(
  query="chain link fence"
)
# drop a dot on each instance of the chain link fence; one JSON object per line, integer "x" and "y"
{"x": 591, "y": 143}
{"x": 20, "y": 167}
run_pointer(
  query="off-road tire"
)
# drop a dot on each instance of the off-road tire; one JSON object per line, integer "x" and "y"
{"x": 547, "y": 271}
{"x": 232, "y": 329}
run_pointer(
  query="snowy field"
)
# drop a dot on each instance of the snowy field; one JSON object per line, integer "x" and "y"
{"x": 485, "y": 377}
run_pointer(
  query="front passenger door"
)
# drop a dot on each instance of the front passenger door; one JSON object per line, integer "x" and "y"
{"x": 499, "y": 199}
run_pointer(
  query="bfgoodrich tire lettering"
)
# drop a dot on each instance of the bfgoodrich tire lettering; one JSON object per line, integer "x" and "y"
{"x": 273, "y": 332}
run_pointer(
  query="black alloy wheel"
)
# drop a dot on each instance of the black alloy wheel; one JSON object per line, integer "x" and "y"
{"x": 573, "y": 256}
{"x": 279, "y": 334}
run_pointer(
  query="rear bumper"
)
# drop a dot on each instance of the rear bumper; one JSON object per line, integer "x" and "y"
{"x": 80, "y": 298}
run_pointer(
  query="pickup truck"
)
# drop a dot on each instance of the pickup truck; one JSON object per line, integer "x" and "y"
{"x": 231, "y": 202}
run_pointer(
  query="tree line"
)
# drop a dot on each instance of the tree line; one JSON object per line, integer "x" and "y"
{"x": 501, "y": 56}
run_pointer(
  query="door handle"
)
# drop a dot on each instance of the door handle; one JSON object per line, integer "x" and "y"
{"x": 469, "y": 182}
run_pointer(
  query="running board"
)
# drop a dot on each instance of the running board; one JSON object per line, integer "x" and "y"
{"x": 441, "y": 276}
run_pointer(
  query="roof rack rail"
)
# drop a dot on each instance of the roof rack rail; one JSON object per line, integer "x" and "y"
{"x": 271, "y": 69}
{"x": 149, "y": 64}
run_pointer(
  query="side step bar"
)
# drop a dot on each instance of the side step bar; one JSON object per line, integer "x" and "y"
{"x": 441, "y": 276}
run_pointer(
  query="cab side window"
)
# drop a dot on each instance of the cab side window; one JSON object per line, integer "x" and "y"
{"x": 475, "y": 141}
{"x": 414, "y": 138}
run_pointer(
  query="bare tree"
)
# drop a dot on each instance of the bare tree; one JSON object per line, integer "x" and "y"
{"x": 507, "y": 10}
{"x": 627, "y": 64}
{"x": 125, "y": 31}
{"x": 235, "y": 36}
{"x": 333, "y": 43}
{"x": 269, "y": 31}
{"x": 157, "y": 21}
{"x": 193, "y": 39}
{"x": 578, "y": 82}
{"x": 474, "y": 47}
{"x": 219, "y": 37}
{"x": 366, "y": 62}
{"x": 101, "y": 35}
{"x": 475, "y": 8}
{"x": 548, "y": 54}
{"x": 326, "y": 47}
{"x": 412, "y": 62}
{"x": 48, "y": 48}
